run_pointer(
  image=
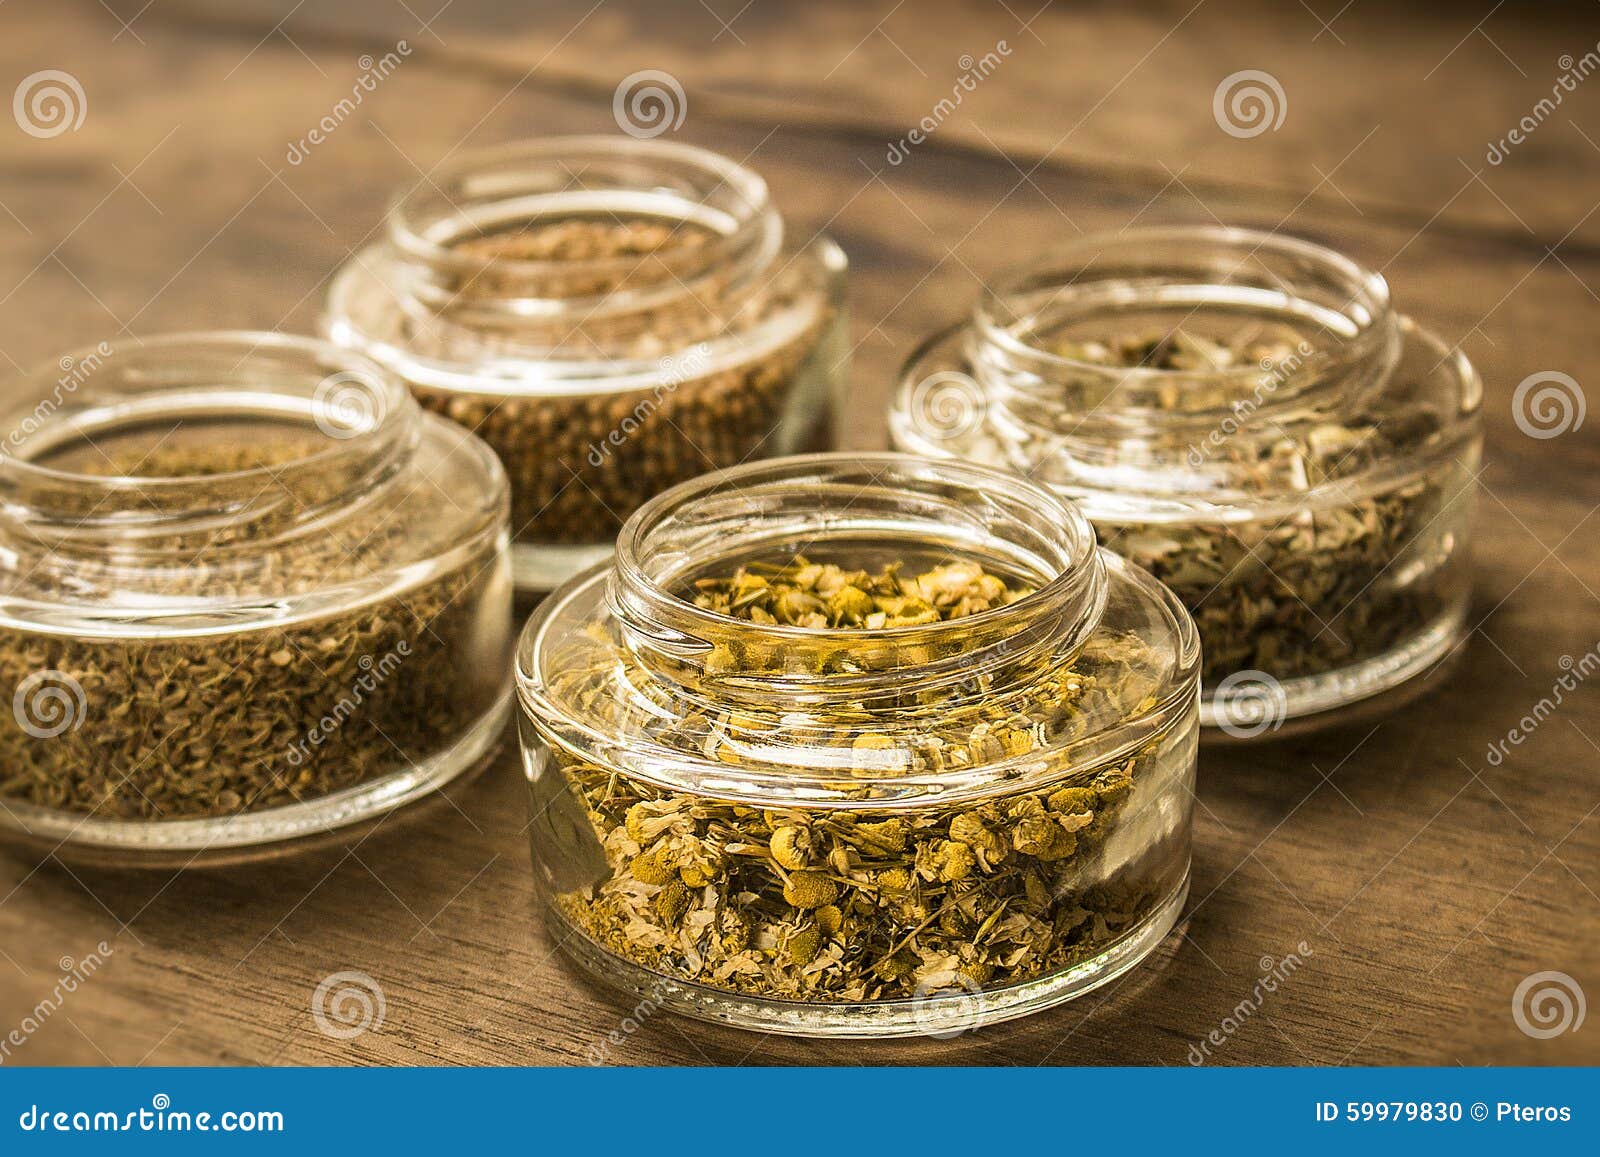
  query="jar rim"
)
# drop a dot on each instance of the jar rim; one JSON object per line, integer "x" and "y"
{"x": 1130, "y": 502}
{"x": 358, "y": 406}
{"x": 749, "y": 230}
{"x": 1171, "y": 253}
{"x": 1066, "y": 589}
{"x": 583, "y": 622}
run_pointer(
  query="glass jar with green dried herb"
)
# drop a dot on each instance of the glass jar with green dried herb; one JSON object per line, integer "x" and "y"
{"x": 249, "y": 592}
{"x": 861, "y": 745}
{"x": 1246, "y": 416}
{"x": 613, "y": 316}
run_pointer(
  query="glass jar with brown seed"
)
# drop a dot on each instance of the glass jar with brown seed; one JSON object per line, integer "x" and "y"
{"x": 249, "y": 592}
{"x": 613, "y": 316}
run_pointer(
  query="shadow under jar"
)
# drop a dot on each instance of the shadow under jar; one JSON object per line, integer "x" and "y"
{"x": 612, "y": 316}
{"x": 1245, "y": 416}
{"x": 249, "y": 593}
{"x": 860, "y": 745}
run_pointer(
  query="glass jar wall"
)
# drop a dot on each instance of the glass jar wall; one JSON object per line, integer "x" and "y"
{"x": 1246, "y": 416}
{"x": 613, "y": 316}
{"x": 860, "y": 745}
{"x": 248, "y": 592}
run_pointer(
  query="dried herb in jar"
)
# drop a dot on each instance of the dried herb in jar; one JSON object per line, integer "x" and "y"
{"x": 1316, "y": 589}
{"x": 581, "y": 462}
{"x": 869, "y": 902}
{"x": 175, "y": 725}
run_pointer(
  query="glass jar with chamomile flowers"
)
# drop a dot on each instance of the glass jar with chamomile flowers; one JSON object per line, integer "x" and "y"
{"x": 1246, "y": 416}
{"x": 860, "y": 745}
{"x": 613, "y": 316}
{"x": 249, "y": 593}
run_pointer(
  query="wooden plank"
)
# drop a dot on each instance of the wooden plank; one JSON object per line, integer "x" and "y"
{"x": 1437, "y": 93}
{"x": 1424, "y": 882}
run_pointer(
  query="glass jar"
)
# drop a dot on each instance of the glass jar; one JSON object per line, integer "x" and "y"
{"x": 613, "y": 316}
{"x": 860, "y": 745}
{"x": 1246, "y": 416}
{"x": 248, "y": 592}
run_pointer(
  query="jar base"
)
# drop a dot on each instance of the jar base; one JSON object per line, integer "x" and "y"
{"x": 1264, "y": 708}
{"x": 940, "y": 1016}
{"x": 215, "y": 841}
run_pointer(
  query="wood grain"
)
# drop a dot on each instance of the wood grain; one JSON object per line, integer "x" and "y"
{"x": 1424, "y": 882}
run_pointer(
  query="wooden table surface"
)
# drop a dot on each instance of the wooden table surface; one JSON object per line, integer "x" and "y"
{"x": 1419, "y": 884}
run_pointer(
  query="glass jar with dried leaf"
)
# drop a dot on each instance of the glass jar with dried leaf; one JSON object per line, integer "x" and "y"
{"x": 860, "y": 745}
{"x": 1246, "y": 416}
{"x": 613, "y": 316}
{"x": 249, "y": 593}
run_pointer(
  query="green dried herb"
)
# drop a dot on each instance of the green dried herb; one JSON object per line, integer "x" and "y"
{"x": 173, "y": 727}
{"x": 1318, "y": 589}
{"x": 869, "y": 902}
